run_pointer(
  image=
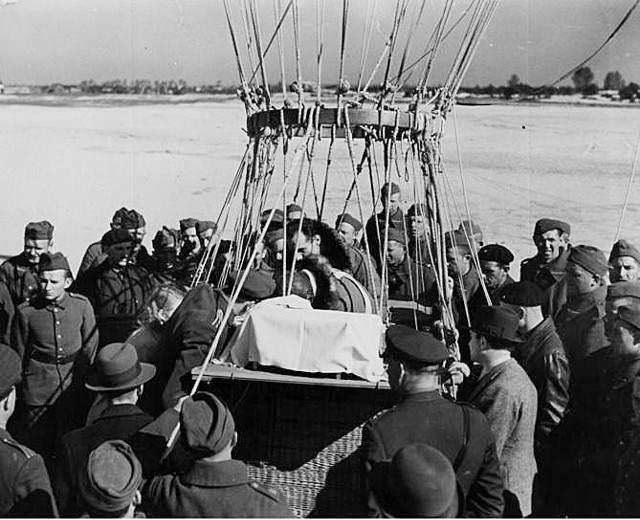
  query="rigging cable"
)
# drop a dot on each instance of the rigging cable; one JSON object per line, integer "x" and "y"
{"x": 626, "y": 199}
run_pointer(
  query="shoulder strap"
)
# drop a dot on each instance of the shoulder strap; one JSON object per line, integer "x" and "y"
{"x": 462, "y": 453}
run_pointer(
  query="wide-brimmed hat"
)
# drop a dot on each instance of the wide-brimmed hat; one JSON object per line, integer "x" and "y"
{"x": 117, "y": 367}
{"x": 419, "y": 481}
{"x": 496, "y": 322}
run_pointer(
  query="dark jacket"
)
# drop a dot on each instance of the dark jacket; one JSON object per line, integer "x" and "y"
{"x": 429, "y": 418}
{"x": 117, "y": 295}
{"x": 548, "y": 277}
{"x": 375, "y": 233}
{"x": 412, "y": 281}
{"x": 508, "y": 399}
{"x": 479, "y": 299}
{"x": 25, "y": 490}
{"x": 186, "y": 339}
{"x": 543, "y": 358}
{"x": 7, "y": 312}
{"x": 363, "y": 269}
{"x": 580, "y": 325}
{"x": 214, "y": 490}
{"x": 21, "y": 278}
{"x": 116, "y": 422}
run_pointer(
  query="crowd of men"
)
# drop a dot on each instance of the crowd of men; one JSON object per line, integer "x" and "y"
{"x": 95, "y": 369}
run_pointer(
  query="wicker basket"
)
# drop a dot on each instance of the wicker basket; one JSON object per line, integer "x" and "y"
{"x": 303, "y": 438}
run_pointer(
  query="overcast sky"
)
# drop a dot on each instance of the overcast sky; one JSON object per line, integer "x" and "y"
{"x": 45, "y": 41}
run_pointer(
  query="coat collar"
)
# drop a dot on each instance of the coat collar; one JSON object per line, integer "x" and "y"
{"x": 556, "y": 268}
{"x": 119, "y": 410}
{"x": 584, "y": 302}
{"x": 535, "y": 339}
{"x": 423, "y": 397}
{"x": 488, "y": 377}
{"x": 217, "y": 474}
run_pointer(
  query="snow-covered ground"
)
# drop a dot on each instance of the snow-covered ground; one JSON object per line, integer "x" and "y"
{"x": 76, "y": 163}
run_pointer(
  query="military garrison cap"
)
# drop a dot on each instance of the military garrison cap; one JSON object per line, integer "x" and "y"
{"x": 457, "y": 239}
{"x": 187, "y": 223}
{"x": 112, "y": 476}
{"x": 397, "y": 236}
{"x": 118, "y": 216}
{"x": 205, "y": 225}
{"x": 589, "y": 258}
{"x": 166, "y": 238}
{"x": 624, "y": 248}
{"x": 385, "y": 190}
{"x": 115, "y": 236}
{"x": 42, "y": 230}
{"x": 278, "y": 217}
{"x": 547, "y": 224}
{"x": 623, "y": 290}
{"x": 405, "y": 343}
{"x": 132, "y": 220}
{"x": 348, "y": 219}
{"x": 524, "y": 294}
{"x": 495, "y": 253}
{"x": 471, "y": 228}
{"x": 258, "y": 285}
{"x": 206, "y": 424}
{"x": 53, "y": 261}
{"x": 10, "y": 369}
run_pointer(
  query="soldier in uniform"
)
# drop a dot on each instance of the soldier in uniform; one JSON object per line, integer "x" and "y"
{"x": 110, "y": 481}
{"x": 165, "y": 254}
{"x": 116, "y": 288}
{"x": 624, "y": 262}
{"x": 375, "y": 227}
{"x": 547, "y": 268}
{"x": 94, "y": 253}
{"x": 362, "y": 265}
{"x": 190, "y": 250}
{"x": 494, "y": 265}
{"x": 216, "y": 485}
{"x": 136, "y": 225}
{"x": 25, "y": 490}
{"x": 418, "y": 234}
{"x": 619, "y": 294}
{"x": 423, "y": 415}
{"x": 7, "y": 311}
{"x": 56, "y": 338}
{"x": 20, "y": 273}
{"x": 207, "y": 230}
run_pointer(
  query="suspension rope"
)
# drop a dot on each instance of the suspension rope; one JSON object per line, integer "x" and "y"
{"x": 367, "y": 31}
{"x": 626, "y": 199}
{"x": 343, "y": 41}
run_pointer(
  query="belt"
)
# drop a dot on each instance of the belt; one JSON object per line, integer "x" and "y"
{"x": 51, "y": 359}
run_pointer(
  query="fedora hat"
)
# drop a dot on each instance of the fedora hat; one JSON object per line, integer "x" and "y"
{"x": 496, "y": 322}
{"x": 117, "y": 367}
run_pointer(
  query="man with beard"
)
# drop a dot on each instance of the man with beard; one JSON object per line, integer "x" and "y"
{"x": 56, "y": 338}
{"x": 190, "y": 250}
{"x": 375, "y": 228}
{"x": 20, "y": 273}
{"x": 624, "y": 262}
{"x": 314, "y": 238}
{"x": 116, "y": 288}
{"x": 547, "y": 268}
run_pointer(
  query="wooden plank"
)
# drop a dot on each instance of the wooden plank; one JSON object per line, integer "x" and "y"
{"x": 231, "y": 372}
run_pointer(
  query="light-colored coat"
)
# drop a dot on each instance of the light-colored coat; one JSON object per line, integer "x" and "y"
{"x": 508, "y": 398}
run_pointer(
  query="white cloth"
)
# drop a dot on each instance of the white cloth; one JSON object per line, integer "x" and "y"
{"x": 286, "y": 332}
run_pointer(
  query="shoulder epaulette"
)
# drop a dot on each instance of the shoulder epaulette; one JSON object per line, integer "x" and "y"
{"x": 78, "y": 296}
{"x": 381, "y": 414}
{"x": 15, "y": 444}
{"x": 266, "y": 491}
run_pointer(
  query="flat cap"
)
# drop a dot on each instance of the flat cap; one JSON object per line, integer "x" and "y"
{"x": 405, "y": 343}
{"x": 187, "y": 223}
{"x": 524, "y": 294}
{"x": 623, "y": 290}
{"x": 396, "y": 235}
{"x": 624, "y": 248}
{"x": 10, "y": 369}
{"x": 418, "y": 482}
{"x": 385, "y": 189}
{"x": 206, "y": 424}
{"x": 115, "y": 236}
{"x": 348, "y": 219}
{"x": 118, "y": 215}
{"x": 42, "y": 230}
{"x": 133, "y": 220}
{"x": 495, "y": 253}
{"x": 417, "y": 209}
{"x": 630, "y": 315}
{"x": 112, "y": 476}
{"x": 206, "y": 225}
{"x": 547, "y": 224}
{"x": 258, "y": 285}
{"x": 53, "y": 262}
{"x": 496, "y": 322}
{"x": 166, "y": 238}
{"x": 589, "y": 258}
